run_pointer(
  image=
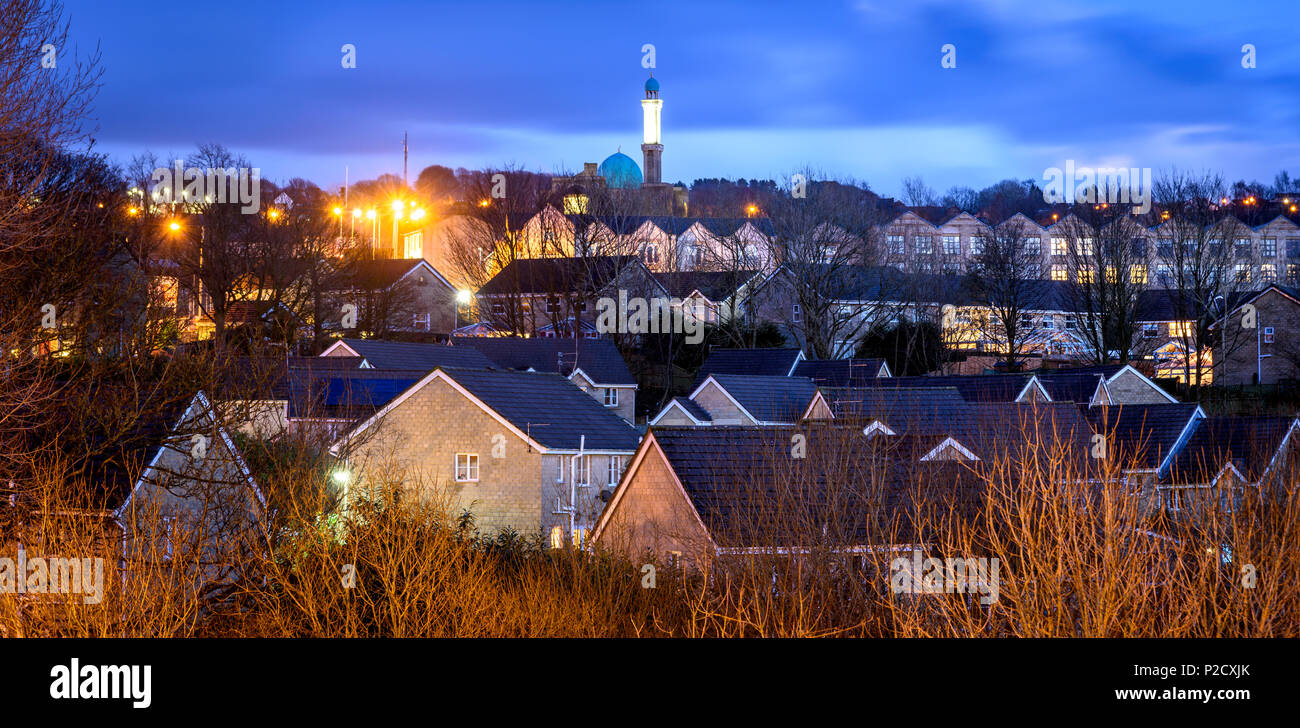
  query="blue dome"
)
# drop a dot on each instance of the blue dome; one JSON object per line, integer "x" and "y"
{"x": 620, "y": 171}
{"x": 652, "y": 84}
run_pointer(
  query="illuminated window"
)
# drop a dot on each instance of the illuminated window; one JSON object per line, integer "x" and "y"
{"x": 413, "y": 244}
{"x": 1059, "y": 246}
{"x": 896, "y": 245}
{"x": 1268, "y": 247}
{"x": 1034, "y": 245}
{"x": 1268, "y": 273}
{"x": 1112, "y": 276}
{"x": 575, "y": 204}
{"x": 1084, "y": 246}
{"x": 466, "y": 467}
{"x": 952, "y": 245}
{"x": 579, "y": 535}
{"x": 1137, "y": 273}
{"x": 1292, "y": 272}
{"x": 1085, "y": 275}
{"x": 923, "y": 244}
{"x": 1243, "y": 272}
{"x": 1181, "y": 329}
{"x": 1058, "y": 273}
{"x": 557, "y": 537}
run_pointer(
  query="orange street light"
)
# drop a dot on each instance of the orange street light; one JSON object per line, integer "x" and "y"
{"x": 132, "y": 211}
{"x": 370, "y": 213}
{"x": 752, "y": 210}
{"x": 483, "y": 203}
{"x": 338, "y": 211}
{"x": 356, "y": 212}
{"x": 273, "y": 213}
{"x": 174, "y": 226}
{"x": 418, "y": 213}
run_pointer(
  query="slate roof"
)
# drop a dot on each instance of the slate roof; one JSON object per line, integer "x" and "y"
{"x": 973, "y": 388}
{"x": 839, "y": 372}
{"x": 1249, "y": 443}
{"x": 770, "y": 399}
{"x": 760, "y": 362}
{"x": 346, "y": 395}
{"x": 748, "y": 491}
{"x": 598, "y": 358}
{"x": 1144, "y": 434}
{"x": 549, "y": 408}
{"x": 380, "y": 273}
{"x": 920, "y": 409}
{"x": 717, "y": 286}
{"x": 533, "y": 276}
{"x": 1070, "y": 385}
{"x": 416, "y": 355}
{"x": 695, "y": 410}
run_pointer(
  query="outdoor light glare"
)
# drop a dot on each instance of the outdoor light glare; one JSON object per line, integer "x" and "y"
{"x": 356, "y": 212}
{"x": 464, "y": 296}
{"x": 341, "y": 476}
{"x": 370, "y": 213}
{"x": 397, "y": 205}
{"x": 174, "y": 226}
{"x": 419, "y": 213}
{"x": 338, "y": 211}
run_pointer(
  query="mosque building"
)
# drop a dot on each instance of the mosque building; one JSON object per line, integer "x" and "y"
{"x": 619, "y": 181}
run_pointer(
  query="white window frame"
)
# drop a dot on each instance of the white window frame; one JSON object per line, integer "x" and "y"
{"x": 614, "y": 469}
{"x": 611, "y": 396}
{"x": 582, "y": 470}
{"x": 796, "y": 313}
{"x": 470, "y": 467}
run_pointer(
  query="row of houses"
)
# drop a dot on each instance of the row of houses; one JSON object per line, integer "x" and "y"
{"x": 518, "y": 434}
{"x": 924, "y": 239}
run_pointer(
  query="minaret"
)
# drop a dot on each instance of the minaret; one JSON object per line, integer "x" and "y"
{"x": 651, "y": 145}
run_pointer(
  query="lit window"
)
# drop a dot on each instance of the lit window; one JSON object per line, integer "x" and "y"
{"x": 1033, "y": 246}
{"x": 557, "y": 537}
{"x": 1181, "y": 329}
{"x": 466, "y": 467}
{"x": 1085, "y": 275}
{"x": 1243, "y": 272}
{"x": 611, "y": 397}
{"x": 1058, "y": 246}
{"x": 1058, "y": 273}
{"x": 1268, "y": 273}
{"x": 952, "y": 245}
{"x": 896, "y": 246}
{"x": 1084, "y": 246}
{"x": 1268, "y": 247}
{"x": 923, "y": 244}
{"x": 413, "y": 244}
{"x": 1292, "y": 272}
{"x": 579, "y": 535}
{"x": 1137, "y": 273}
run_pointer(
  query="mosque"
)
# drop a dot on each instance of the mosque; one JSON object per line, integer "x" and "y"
{"x": 619, "y": 182}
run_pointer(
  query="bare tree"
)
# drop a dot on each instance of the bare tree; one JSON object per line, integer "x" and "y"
{"x": 1005, "y": 277}
{"x": 1107, "y": 274}
{"x": 1196, "y": 264}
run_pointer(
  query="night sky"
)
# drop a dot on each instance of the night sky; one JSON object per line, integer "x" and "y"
{"x": 850, "y": 89}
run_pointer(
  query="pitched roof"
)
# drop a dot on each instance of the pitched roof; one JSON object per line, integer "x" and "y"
{"x": 769, "y": 399}
{"x": 548, "y": 408}
{"x": 716, "y": 286}
{"x": 1248, "y": 443}
{"x": 973, "y": 388}
{"x": 749, "y": 492}
{"x": 384, "y": 272}
{"x": 411, "y": 355}
{"x": 761, "y": 362}
{"x": 599, "y": 359}
{"x": 532, "y": 276}
{"x": 919, "y": 409}
{"x": 694, "y": 410}
{"x": 1069, "y": 385}
{"x": 345, "y": 395}
{"x": 1144, "y": 434}
{"x": 839, "y": 372}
